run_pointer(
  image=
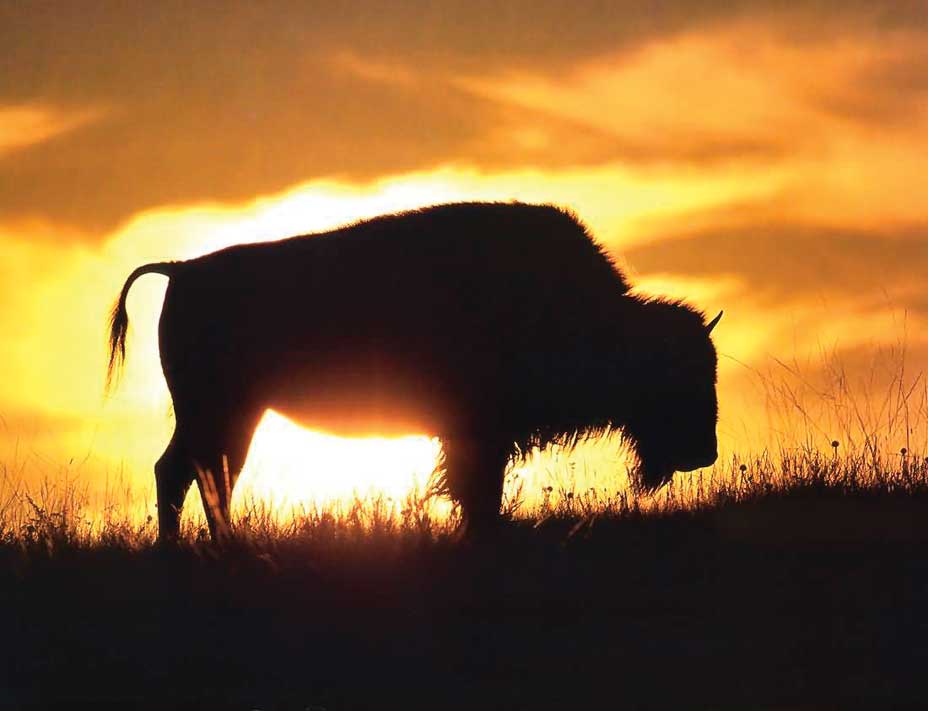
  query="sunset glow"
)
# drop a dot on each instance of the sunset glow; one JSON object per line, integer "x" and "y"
{"x": 463, "y": 354}
{"x": 291, "y": 467}
{"x": 768, "y": 164}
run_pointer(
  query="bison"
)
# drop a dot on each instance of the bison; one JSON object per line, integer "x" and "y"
{"x": 485, "y": 324}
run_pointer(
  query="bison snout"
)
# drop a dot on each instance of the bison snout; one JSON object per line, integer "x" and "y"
{"x": 706, "y": 460}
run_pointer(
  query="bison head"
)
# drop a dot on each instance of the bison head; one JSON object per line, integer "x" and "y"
{"x": 672, "y": 421}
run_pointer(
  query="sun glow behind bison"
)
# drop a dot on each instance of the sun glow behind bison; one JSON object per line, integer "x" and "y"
{"x": 291, "y": 470}
{"x": 697, "y": 145}
{"x": 127, "y": 431}
{"x": 289, "y": 465}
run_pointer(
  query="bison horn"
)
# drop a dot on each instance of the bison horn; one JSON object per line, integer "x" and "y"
{"x": 713, "y": 322}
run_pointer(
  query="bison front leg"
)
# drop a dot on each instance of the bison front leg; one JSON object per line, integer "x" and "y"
{"x": 474, "y": 470}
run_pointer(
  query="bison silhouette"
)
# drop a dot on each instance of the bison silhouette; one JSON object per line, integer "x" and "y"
{"x": 486, "y": 324}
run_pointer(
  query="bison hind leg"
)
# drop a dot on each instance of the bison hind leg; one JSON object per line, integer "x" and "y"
{"x": 219, "y": 453}
{"x": 174, "y": 473}
{"x": 474, "y": 470}
{"x": 209, "y": 449}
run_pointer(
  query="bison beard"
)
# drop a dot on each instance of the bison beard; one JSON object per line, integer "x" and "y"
{"x": 485, "y": 324}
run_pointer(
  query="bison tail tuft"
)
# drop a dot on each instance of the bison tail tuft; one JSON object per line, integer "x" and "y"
{"x": 119, "y": 326}
{"x": 119, "y": 319}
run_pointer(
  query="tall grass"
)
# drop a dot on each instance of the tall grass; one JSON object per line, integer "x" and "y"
{"x": 831, "y": 434}
{"x": 60, "y": 514}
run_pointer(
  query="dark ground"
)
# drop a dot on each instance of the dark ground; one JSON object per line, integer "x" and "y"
{"x": 791, "y": 603}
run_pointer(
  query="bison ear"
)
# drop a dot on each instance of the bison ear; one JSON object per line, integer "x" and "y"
{"x": 713, "y": 322}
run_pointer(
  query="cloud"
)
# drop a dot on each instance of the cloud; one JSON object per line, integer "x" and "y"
{"x": 110, "y": 45}
{"x": 258, "y": 138}
{"x": 27, "y": 125}
{"x": 741, "y": 92}
{"x": 209, "y": 105}
{"x": 886, "y": 84}
{"x": 787, "y": 264}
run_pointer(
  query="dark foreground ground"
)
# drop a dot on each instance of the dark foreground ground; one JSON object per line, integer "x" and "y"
{"x": 798, "y": 602}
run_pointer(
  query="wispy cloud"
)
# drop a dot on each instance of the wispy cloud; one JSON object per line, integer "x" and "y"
{"x": 27, "y": 125}
{"x": 255, "y": 99}
{"x": 787, "y": 265}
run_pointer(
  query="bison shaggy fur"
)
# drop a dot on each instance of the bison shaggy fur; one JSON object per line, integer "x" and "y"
{"x": 487, "y": 324}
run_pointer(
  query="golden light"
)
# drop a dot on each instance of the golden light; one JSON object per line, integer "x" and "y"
{"x": 73, "y": 290}
{"x": 28, "y": 124}
{"x": 289, "y": 467}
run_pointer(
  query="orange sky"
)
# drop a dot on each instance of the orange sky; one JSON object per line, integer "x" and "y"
{"x": 763, "y": 160}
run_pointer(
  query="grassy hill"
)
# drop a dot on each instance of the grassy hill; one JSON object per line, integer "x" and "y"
{"x": 795, "y": 582}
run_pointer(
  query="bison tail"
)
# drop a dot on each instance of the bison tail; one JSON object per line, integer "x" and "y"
{"x": 119, "y": 318}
